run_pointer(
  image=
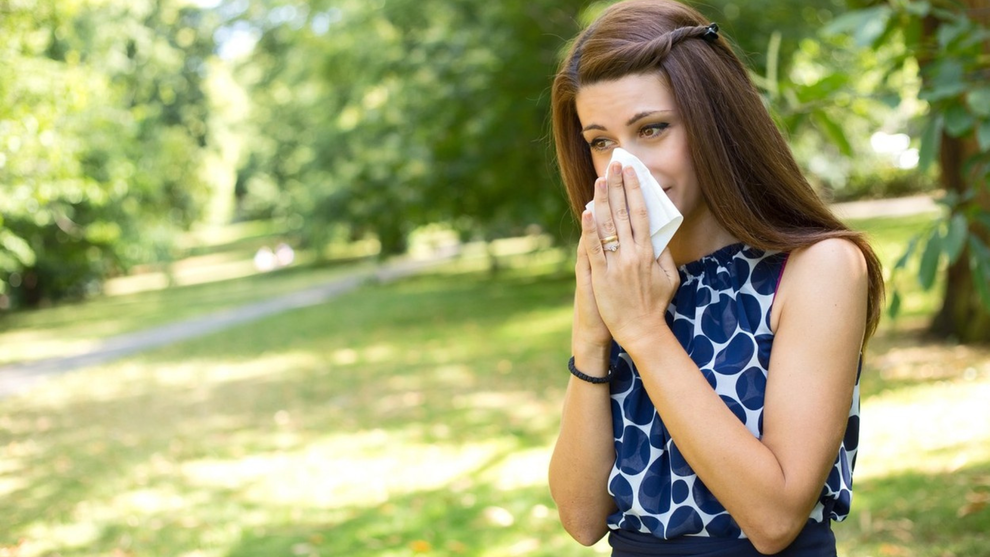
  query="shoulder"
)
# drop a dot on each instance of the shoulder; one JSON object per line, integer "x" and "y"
{"x": 830, "y": 258}
{"x": 825, "y": 276}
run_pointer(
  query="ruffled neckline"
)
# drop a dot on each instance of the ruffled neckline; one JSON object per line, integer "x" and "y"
{"x": 721, "y": 257}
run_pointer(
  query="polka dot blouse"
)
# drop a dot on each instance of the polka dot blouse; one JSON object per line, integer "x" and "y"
{"x": 721, "y": 315}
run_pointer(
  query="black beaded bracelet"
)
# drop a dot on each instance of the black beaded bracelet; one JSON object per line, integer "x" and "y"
{"x": 585, "y": 377}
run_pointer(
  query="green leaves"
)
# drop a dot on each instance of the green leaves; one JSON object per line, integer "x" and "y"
{"x": 102, "y": 138}
{"x": 929, "y": 260}
{"x": 866, "y": 26}
{"x": 931, "y": 140}
{"x": 945, "y": 241}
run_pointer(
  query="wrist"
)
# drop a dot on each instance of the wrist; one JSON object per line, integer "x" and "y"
{"x": 646, "y": 337}
{"x": 592, "y": 359}
{"x": 593, "y": 342}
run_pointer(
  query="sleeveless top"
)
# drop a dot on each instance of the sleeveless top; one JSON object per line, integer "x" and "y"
{"x": 721, "y": 316}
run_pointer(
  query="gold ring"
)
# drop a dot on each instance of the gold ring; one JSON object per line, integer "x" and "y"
{"x": 609, "y": 240}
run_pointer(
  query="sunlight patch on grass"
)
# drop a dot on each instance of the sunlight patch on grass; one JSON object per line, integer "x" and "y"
{"x": 928, "y": 428}
{"x": 343, "y": 471}
{"x": 544, "y": 322}
{"x": 523, "y": 468}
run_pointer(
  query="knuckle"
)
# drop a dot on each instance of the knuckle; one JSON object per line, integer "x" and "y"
{"x": 622, "y": 214}
{"x": 608, "y": 227}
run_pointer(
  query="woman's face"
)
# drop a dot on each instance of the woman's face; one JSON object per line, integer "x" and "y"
{"x": 638, "y": 113}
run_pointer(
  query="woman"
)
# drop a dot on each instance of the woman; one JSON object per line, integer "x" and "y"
{"x": 713, "y": 404}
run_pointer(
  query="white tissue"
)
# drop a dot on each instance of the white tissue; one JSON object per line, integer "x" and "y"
{"x": 664, "y": 217}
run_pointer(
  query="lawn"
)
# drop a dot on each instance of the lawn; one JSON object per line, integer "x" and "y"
{"x": 416, "y": 418}
{"x": 215, "y": 272}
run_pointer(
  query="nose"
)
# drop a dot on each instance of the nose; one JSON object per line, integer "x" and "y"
{"x": 642, "y": 154}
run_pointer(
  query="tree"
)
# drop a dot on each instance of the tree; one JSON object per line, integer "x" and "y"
{"x": 102, "y": 130}
{"x": 950, "y": 44}
{"x": 381, "y": 118}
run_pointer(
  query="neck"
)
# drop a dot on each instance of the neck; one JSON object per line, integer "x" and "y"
{"x": 698, "y": 237}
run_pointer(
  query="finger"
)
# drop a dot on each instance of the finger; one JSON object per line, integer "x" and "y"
{"x": 603, "y": 211}
{"x": 592, "y": 243}
{"x": 639, "y": 216}
{"x": 617, "y": 202}
{"x": 582, "y": 268}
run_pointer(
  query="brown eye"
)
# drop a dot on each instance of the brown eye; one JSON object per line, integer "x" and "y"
{"x": 600, "y": 144}
{"x": 653, "y": 130}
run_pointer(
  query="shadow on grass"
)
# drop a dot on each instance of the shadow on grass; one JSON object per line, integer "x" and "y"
{"x": 412, "y": 418}
{"x": 920, "y": 515}
{"x": 480, "y": 520}
{"x": 382, "y": 408}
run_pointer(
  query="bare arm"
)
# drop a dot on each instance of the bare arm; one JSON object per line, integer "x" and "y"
{"x": 770, "y": 485}
{"x": 585, "y": 451}
{"x": 584, "y": 454}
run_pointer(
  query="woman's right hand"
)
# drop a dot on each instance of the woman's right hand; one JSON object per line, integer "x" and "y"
{"x": 590, "y": 332}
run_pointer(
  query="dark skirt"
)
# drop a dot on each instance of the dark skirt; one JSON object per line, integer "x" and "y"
{"x": 815, "y": 540}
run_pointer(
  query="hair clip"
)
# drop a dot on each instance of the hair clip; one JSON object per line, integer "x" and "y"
{"x": 711, "y": 33}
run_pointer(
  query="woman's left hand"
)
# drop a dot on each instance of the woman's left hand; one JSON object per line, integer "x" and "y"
{"x": 632, "y": 288}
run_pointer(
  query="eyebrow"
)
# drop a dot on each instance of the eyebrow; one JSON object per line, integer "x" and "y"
{"x": 636, "y": 117}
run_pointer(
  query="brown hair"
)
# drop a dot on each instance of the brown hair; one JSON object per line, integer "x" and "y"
{"x": 745, "y": 170}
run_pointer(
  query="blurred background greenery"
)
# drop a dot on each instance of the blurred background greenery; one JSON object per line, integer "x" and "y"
{"x": 154, "y": 154}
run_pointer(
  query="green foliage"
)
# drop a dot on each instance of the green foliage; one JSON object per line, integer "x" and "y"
{"x": 102, "y": 129}
{"x": 386, "y": 117}
{"x": 954, "y": 84}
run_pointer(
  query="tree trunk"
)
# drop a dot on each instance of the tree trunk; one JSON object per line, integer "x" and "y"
{"x": 963, "y": 316}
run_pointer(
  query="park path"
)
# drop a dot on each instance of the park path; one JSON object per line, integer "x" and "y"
{"x": 18, "y": 377}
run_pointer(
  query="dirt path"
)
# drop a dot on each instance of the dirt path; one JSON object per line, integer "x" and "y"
{"x": 18, "y": 377}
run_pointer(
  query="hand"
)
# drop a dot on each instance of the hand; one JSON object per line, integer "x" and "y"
{"x": 632, "y": 289}
{"x": 589, "y": 330}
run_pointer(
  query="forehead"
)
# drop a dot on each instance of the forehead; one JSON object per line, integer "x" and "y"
{"x": 617, "y": 99}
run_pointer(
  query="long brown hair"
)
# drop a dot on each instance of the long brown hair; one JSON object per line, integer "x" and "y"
{"x": 745, "y": 169}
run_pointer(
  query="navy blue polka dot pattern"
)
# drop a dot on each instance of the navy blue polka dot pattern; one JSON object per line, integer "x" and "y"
{"x": 721, "y": 316}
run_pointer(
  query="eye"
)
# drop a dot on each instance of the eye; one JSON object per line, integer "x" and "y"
{"x": 653, "y": 130}
{"x": 600, "y": 144}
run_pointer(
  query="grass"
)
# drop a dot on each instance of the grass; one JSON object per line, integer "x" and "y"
{"x": 416, "y": 418}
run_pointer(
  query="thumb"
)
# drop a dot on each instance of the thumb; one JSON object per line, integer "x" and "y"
{"x": 666, "y": 262}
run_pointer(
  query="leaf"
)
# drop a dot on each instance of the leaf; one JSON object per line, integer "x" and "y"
{"x": 978, "y": 100}
{"x": 931, "y": 137}
{"x": 895, "y": 304}
{"x": 929, "y": 261}
{"x": 912, "y": 244}
{"x": 948, "y": 78}
{"x": 958, "y": 120}
{"x": 984, "y": 218}
{"x": 955, "y": 238}
{"x": 833, "y": 131}
{"x": 892, "y": 99}
{"x": 983, "y": 135}
{"x": 823, "y": 88}
{"x": 920, "y": 9}
{"x": 865, "y": 25}
{"x": 976, "y": 501}
{"x": 948, "y": 32}
{"x": 979, "y": 264}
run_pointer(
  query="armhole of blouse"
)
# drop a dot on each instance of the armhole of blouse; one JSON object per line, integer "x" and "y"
{"x": 776, "y": 288}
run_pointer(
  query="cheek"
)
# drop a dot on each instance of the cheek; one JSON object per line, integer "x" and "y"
{"x": 600, "y": 162}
